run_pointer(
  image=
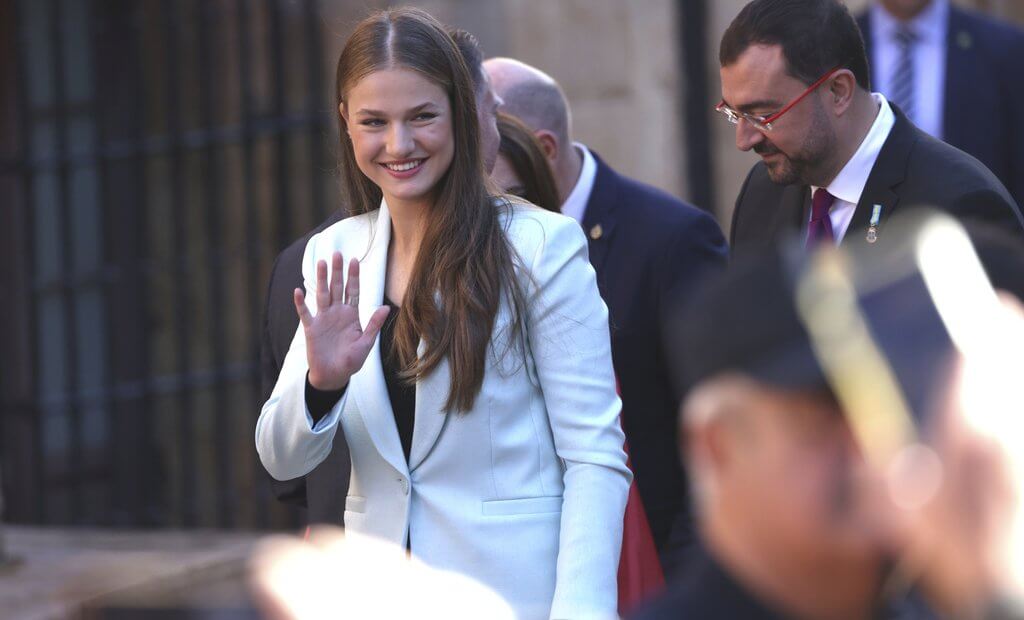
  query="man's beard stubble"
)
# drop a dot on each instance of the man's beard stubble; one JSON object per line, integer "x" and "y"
{"x": 805, "y": 165}
{"x": 782, "y": 170}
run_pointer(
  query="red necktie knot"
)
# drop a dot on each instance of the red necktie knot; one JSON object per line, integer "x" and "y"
{"x": 820, "y": 228}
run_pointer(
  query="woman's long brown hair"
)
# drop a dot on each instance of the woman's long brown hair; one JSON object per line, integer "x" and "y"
{"x": 522, "y": 149}
{"x": 464, "y": 267}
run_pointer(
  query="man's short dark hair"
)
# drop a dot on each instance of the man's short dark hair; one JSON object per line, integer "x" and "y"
{"x": 816, "y": 36}
{"x": 469, "y": 46}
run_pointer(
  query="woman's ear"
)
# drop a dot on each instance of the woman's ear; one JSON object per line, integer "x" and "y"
{"x": 343, "y": 111}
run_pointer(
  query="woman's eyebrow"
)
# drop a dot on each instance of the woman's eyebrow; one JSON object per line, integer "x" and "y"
{"x": 419, "y": 108}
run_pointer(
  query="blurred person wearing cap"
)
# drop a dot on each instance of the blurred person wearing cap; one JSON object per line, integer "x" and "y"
{"x": 837, "y": 160}
{"x": 648, "y": 249}
{"x": 856, "y": 442}
{"x": 773, "y": 464}
{"x": 955, "y": 73}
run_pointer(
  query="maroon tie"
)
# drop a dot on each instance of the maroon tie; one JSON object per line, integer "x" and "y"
{"x": 820, "y": 228}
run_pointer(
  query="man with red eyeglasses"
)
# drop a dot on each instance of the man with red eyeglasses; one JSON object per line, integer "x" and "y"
{"x": 836, "y": 159}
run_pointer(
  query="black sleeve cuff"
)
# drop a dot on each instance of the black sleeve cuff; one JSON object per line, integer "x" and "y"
{"x": 320, "y": 402}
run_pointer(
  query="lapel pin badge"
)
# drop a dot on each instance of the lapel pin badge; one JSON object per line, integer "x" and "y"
{"x": 596, "y": 232}
{"x": 964, "y": 40}
{"x": 876, "y": 214}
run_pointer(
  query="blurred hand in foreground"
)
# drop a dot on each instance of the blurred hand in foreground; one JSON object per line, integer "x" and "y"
{"x": 331, "y": 575}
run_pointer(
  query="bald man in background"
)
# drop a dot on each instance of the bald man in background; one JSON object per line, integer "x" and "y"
{"x": 648, "y": 248}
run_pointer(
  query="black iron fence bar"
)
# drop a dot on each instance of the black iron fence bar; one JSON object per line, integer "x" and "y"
{"x": 146, "y": 486}
{"x": 66, "y": 246}
{"x": 282, "y": 176}
{"x": 254, "y": 285}
{"x": 162, "y": 145}
{"x": 35, "y": 442}
{"x": 182, "y": 315}
{"x": 104, "y": 285}
{"x": 314, "y": 91}
{"x": 122, "y": 107}
{"x": 280, "y": 206}
{"x": 692, "y": 21}
{"x": 213, "y": 194}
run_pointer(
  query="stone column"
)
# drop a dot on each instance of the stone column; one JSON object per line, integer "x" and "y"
{"x": 730, "y": 164}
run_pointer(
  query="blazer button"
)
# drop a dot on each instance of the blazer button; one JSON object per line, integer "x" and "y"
{"x": 405, "y": 485}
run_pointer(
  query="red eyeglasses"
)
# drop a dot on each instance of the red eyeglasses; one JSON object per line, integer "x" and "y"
{"x": 764, "y": 123}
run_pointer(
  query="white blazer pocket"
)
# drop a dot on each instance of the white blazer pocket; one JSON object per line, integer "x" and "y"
{"x": 355, "y": 503}
{"x": 524, "y": 506}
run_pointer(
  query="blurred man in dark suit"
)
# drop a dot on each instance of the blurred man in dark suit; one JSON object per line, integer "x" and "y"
{"x": 323, "y": 490}
{"x": 955, "y": 74}
{"x": 648, "y": 249}
{"x": 836, "y": 159}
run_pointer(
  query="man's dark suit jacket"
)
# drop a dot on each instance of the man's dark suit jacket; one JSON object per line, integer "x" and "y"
{"x": 648, "y": 249}
{"x": 984, "y": 92}
{"x": 706, "y": 590}
{"x": 652, "y": 250}
{"x": 912, "y": 169}
{"x": 329, "y": 481}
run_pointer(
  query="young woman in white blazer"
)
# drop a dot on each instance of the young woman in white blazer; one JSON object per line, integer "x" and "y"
{"x": 483, "y": 421}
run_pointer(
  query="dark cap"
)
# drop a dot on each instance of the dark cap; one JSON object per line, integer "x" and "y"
{"x": 747, "y": 321}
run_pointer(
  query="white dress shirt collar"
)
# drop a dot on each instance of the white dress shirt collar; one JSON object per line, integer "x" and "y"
{"x": 575, "y": 206}
{"x": 849, "y": 184}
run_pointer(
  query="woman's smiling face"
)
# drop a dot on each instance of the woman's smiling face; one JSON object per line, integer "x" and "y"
{"x": 400, "y": 124}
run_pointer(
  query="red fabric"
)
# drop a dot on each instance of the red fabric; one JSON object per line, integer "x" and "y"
{"x": 640, "y": 573}
{"x": 819, "y": 230}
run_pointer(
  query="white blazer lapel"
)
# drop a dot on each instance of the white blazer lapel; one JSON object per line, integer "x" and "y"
{"x": 431, "y": 394}
{"x": 368, "y": 384}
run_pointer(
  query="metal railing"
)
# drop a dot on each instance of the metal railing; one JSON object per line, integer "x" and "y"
{"x": 165, "y": 152}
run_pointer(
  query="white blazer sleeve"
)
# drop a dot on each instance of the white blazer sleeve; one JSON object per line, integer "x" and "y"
{"x": 567, "y": 325}
{"x": 288, "y": 442}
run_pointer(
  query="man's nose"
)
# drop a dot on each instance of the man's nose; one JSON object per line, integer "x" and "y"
{"x": 747, "y": 136}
